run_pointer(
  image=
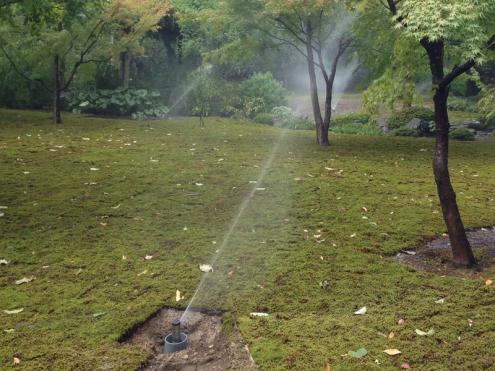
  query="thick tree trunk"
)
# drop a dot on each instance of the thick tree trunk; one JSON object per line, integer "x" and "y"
{"x": 461, "y": 249}
{"x": 321, "y": 133}
{"x": 57, "y": 92}
{"x": 125, "y": 69}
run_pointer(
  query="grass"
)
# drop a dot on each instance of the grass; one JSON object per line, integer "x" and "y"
{"x": 305, "y": 250}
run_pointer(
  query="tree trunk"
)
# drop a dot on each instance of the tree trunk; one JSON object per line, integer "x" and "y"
{"x": 57, "y": 92}
{"x": 321, "y": 133}
{"x": 125, "y": 68}
{"x": 461, "y": 249}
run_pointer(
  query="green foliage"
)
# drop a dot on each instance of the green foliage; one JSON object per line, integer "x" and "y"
{"x": 265, "y": 88}
{"x": 402, "y": 118}
{"x": 369, "y": 129}
{"x": 404, "y": 132}
{"x": 264, "y": 118}
{"x": 487, "y": 107}
{"x": 285, "y": 117}
{"x": 139, "y": 104}
{"x": 462, "y": 134}
{"x": 462, "y": 105}
{"x": 351, "y": 118}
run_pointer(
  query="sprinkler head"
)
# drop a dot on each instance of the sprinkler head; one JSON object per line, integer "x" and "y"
{"x": 176, "y": 340}
{"x": 176, "y": 331}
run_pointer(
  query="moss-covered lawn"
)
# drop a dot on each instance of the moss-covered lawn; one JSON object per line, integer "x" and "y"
{"x": 88, "y": 201}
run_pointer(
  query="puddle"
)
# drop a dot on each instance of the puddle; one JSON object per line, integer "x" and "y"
{"x": 209, "y": 347}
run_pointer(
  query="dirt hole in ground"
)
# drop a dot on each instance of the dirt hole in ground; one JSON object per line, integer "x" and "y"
{"x": 209, "y": 347}
{"x": 436, "y": 256}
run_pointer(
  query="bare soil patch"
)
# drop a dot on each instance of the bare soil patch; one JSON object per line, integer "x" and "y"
{"x": 436, "y": 256}
{"x": 209, "y": 347}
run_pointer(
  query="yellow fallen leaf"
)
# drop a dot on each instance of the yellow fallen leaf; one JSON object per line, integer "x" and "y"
{"x": 488, "y": 282}
{"x": 24, "y": 280}
{"x": 13, "y": 311}
{"x": 392, "y": 352}
{"x": 16, "y": 361}
{"x": 177, "y": 295}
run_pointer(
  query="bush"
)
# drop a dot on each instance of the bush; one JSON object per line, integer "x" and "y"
{"x": 488, "y": 123}
{"x": 405, "y": 132}
{"x": 351, "y": 118}
{"x": 463, "y": 134}
{"x": 264, "y": 118}
{"x": 139, "y": 104}
{"x": 357, "y": 129}
{"x": 462, "y": 105}
{"x": 284, "y": 117}
{"x": 265, "y": 90}
{"x": 402, "y": 118}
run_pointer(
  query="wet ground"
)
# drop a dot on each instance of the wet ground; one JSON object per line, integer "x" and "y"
{"x": 209, "y": 347}
{"x": 436, "y": 256}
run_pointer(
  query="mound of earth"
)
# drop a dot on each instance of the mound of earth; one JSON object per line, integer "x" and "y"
{"x": 436, "y": 256}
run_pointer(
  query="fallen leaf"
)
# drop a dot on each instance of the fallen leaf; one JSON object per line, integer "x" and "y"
{"x": 143, "y": 272}
{"x": 391, "y": 335}
{"x": 423, "y": 333}
{"x": 258, "y": 314}
{"x": 361, "y": 311}
{"x": 206, "y": 268}
{"x": 199, "y": 184}
{"x": 96, "y": 315}
{"x": 360, "y": 353}
{"x": 94, "y": 169}
{"x": 148, "y": 257}
{"x": 405, "y": 366}
{"x": 79, "y": 272}
{"x": 177, "y": 296}
{"x": 124, "y": 257}
{"x": 440, "y": 301}
{"x": 116, "y": 207}
{"x": 16, "y": 361}
{"x": 260, "y": 189}
{"x": 24, "y": 280}
{"x": 392, "y": 352}
{"x": 3, "y": 262}
{"x": 401, "y": 322}
{"x": 326, "y": 367}
{"x": 9, "y": 331}
{"x": 488, "y": 282}
{"x": 13, "y": 311}
{"x": 364, "y": 209}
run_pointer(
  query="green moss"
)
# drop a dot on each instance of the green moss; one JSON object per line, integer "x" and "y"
{"x": 70, "y": 226}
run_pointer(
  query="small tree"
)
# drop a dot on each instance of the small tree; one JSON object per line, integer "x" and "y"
{"x": 456, "y": 33}
{"x": 315, "y": 30}
{"x": 68, "y": 35}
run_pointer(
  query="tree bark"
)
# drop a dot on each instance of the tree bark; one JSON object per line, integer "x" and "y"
{"x": 125, "y": 68}
{"x": 321, "y": 133}
{"x": 57, "y": 92}
{"x": 461, "y": 249}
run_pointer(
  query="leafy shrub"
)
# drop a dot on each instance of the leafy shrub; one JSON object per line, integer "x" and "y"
{"x": 285, "y": 117}
{"x": 139, "y": 104}
{"x": 357, "y": 129}
{"x": 263, "y": 90}
{"x": 462, "y": 105}
{"x": 488, "y": 123}
{"x": 405, "y": 132}
{"x": 264, "y": 118}
{"x": 463, "y": 134}
{"x": 402, "y": 118}
{"x": 351, "y": 118}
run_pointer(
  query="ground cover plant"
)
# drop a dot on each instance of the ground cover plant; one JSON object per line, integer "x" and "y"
{"x": 106, "y": 219}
